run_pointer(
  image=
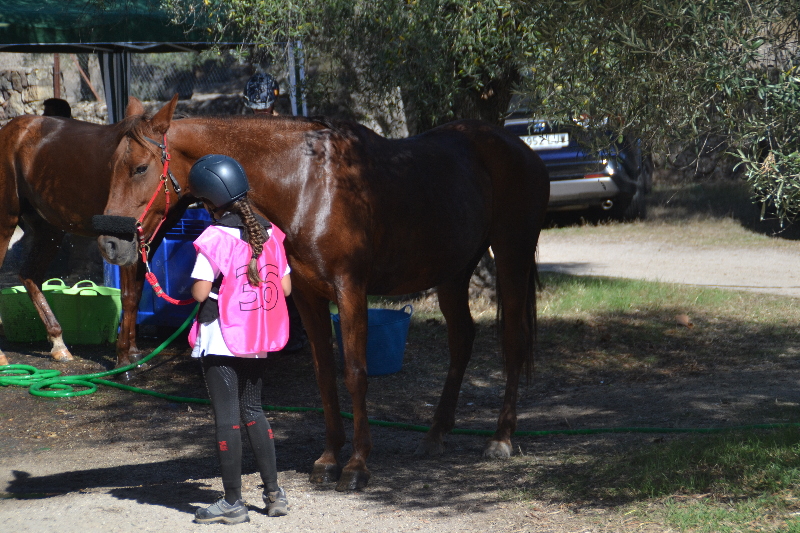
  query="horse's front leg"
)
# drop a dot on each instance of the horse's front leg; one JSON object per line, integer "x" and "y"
{"x": 454, "y": 304}
{"x": 46, "y": 242}
{"x": 131, "y": 281}
{"x": 353, "y": 318}
{"x": 315, "y": 313}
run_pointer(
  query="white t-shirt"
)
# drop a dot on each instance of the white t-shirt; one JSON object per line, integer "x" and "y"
{"x": 209, "y": 336}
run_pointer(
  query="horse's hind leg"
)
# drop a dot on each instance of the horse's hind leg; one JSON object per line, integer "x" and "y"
{"x": 46, "y": 242}
{"x": 516, "y": 275}
{"x": 454, "y": 303}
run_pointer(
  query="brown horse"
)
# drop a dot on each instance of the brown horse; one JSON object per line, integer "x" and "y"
{"x": 54, "y": 175}
{"x": 366, "y": 215}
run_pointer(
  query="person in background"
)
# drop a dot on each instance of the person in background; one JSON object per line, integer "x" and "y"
{"x": 241, "y": 281}
{"x": 260, "y": 94}
{"x": 56, "y": 107}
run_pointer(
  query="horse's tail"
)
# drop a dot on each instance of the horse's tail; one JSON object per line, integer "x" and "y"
{"x": 520, "y": 193}
{"x": 530, "y": 324}
{"x": 534, "y": 283}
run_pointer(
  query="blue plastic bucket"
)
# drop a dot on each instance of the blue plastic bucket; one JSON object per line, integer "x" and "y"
{"x": 386, "y": 339}
{"x": 171, "y": 262}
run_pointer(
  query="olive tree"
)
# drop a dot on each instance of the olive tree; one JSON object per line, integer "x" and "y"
{"x": 454, "y": 59}
{"x": 660, "y": 70}
{"x": 682, "y": 71}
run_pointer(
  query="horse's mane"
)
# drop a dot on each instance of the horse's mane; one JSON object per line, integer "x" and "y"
{"x": 345, "y": 128}
{"x": 133, "y": 126}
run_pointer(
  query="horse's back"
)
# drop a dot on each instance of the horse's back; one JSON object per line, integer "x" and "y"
{"x": 59, "y": 167}
{"x": 15, "y": 134}
{"x": 435, "y": 201}
{"x": 520, "y": 182}
{"x": 506, "y": 157}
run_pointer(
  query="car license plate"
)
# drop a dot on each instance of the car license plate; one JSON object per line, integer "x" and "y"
{"x": 546, "y": 141}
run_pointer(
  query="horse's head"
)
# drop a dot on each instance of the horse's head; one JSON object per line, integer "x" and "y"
{"x": 138, "y": 194}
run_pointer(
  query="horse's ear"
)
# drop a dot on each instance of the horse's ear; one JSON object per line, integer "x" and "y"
{"x": 161, "y": 120}
{"x": 135, "y": 107}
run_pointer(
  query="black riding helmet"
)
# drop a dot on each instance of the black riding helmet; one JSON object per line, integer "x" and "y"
{"x": 261, "y": 91}
{"x": 219, "y": 179}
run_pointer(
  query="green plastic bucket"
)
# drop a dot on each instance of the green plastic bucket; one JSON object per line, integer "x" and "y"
{"x": 387, "y": 330}
{"x": 21, "y": 321}
{"x": 88, "y": 313}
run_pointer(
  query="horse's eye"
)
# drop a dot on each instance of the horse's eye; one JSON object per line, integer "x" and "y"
{"x": 141, "y": 169}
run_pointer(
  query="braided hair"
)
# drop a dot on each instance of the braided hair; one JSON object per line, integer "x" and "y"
{"x": 254, "y": 234}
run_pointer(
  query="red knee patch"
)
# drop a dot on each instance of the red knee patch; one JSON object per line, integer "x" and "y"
{"x": 236, "y": 427}
{"x": 251, "y": 423}
{"x": 270, "y": 433}
{"x": 223, "y": 446}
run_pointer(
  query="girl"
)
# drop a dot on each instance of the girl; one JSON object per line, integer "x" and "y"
{"x": 242, "y": 280}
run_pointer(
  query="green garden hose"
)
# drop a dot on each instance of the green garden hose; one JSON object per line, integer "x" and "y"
{"x": 50, "y": 384}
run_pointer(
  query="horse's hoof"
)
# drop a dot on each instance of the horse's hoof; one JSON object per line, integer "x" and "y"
{"x": 353, "y": 480}
{"x": 429, "y": 448}
{"x": 135, "y": 357}
{"x": 3, "y": 359}
{"x": 497, "y": 450}
{"x": 325, "y": 473}
{"x": 61, "y": 355}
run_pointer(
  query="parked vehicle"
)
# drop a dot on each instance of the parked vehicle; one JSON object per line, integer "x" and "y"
{"x": 616, "y": 180}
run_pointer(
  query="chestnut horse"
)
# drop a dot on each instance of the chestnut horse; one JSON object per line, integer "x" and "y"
{"x": 54, "y": 175}
{"x": 367, "y": 215}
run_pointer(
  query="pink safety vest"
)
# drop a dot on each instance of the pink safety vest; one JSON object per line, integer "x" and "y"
{"x": 252, "y": 319}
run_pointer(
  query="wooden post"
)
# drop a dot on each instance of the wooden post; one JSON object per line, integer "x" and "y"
{"x": 85, "y": 77}
{"x": 56, "y": 76}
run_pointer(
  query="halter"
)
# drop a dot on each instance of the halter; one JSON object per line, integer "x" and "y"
{"x": 144, "y": 244}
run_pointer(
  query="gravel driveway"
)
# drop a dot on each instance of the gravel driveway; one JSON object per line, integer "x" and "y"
{"x": 643, "y": 255}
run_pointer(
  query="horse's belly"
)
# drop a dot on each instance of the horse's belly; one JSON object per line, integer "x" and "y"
{"x": 421, "y": 270}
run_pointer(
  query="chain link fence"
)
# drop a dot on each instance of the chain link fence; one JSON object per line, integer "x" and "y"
{"x": 207, "y": 83}
{"x": 160, "y": 76}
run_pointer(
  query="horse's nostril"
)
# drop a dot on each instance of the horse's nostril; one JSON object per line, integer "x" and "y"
{"x": 111, "y": 249}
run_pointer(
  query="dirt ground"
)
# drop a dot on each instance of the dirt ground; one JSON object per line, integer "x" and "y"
{"x": 119, "y": 461}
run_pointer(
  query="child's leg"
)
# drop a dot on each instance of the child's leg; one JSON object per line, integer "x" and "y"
{"x": 222, "y": 381}
{"x": 259, "y": 431}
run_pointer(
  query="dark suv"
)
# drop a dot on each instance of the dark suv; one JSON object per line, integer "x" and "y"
{"x": 615, "y": 181}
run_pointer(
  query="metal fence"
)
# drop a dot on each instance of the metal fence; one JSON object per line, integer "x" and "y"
{"x": 160, "y": 76}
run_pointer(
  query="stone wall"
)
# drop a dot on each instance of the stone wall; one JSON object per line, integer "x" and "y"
{"x": 22, "y": 91}
{"x": 26, "y": 81}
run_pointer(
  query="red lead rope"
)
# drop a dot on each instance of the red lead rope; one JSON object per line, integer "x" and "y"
{"x": 151, "y": 278}
{"x": 144, "y": 246}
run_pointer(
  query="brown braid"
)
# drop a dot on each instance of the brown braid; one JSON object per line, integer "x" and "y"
{"x": 254, "y": 234}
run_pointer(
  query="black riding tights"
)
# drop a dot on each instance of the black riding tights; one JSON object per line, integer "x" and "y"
{"x": 234, "y": 386}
